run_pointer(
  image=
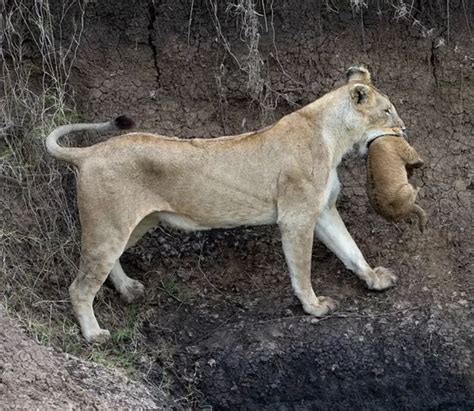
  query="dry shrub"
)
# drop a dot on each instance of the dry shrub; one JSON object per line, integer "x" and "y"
{"x": 258, "y": 83}
{"x": 39, "y": 230}
{"x": 245, "y": 12}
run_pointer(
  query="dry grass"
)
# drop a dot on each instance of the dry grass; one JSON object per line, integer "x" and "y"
{"x": 39, "y": 231}
{"x": 244, "y": 11}
{"x": 258, "y": 84}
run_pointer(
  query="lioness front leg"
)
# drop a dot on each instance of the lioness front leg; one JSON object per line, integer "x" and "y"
{"x": 297, "y": 241}
{"x": 331, "y": 230}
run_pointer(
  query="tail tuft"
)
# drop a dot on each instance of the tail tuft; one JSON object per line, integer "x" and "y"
{"x": 124, "y": 123}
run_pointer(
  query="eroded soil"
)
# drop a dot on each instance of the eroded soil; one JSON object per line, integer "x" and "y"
{"x": 35, "y": 377}
{"x": 242, "y": 340}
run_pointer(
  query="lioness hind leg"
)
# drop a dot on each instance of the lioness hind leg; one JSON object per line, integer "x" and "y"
{"x": 102, "y": 245}
{"x": 131, "y": 290}
{"x": 96, "y": 263}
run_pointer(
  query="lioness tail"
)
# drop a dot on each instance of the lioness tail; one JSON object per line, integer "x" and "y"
{"x": 73, "y": 155}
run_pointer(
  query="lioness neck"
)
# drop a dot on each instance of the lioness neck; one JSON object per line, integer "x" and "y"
{"x": 334, "y": 123}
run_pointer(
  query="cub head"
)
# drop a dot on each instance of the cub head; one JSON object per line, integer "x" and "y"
{"x": 373, "y": 114}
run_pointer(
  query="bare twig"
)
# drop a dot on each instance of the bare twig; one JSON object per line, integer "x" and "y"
{"x": 350, "y": 315}
{"x": 190, "y": 19}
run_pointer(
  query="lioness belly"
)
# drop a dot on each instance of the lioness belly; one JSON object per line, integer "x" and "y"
{"x": 218, "y": 219}
{"x": 200, "y": 202}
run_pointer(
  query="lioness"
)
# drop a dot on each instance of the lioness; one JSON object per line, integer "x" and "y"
{"x": 284, "y": 174}
{"x": 390, "y": 163}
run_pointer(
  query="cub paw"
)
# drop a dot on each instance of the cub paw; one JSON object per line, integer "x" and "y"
{"x": 324, "y": 306}
{"x": 381, "y": 279}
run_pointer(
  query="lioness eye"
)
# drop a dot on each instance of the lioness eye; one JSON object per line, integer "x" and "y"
{"x": 387, "y": 111}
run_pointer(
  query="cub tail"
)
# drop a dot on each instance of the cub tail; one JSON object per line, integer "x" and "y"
{"x": 422, "y": 219}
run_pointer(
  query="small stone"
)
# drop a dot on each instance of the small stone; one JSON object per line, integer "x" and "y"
{"x": 212, "y": 363}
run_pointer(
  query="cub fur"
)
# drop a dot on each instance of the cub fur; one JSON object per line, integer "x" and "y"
{"x": 285, "y": 174}
{"x": 390, "y": 163}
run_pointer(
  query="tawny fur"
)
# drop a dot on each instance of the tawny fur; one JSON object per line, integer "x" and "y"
{"x": 389, "y": 163}
{"x": 284, "y": 174}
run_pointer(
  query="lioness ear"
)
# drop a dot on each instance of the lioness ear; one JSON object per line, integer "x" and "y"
{"x": 360, "y": 74}
{"x": 360, "y": 93}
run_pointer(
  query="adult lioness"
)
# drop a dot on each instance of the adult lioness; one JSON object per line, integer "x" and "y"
{"x": 284, "y": 174}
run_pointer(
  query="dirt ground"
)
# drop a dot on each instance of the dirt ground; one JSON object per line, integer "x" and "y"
{"x": 35, "y": 377}
{"x": 220, "y": 302}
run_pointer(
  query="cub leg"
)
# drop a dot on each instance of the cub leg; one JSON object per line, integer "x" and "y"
{"x": 404, "y": 201}
{"x": 422, "y": 219}
{"x": 411, "y": 157}
{"x": 331, "y": 230}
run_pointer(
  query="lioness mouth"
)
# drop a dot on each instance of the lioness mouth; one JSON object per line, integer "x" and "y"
{"x": 386, "y": 135}
{"x": 371, "y": 141}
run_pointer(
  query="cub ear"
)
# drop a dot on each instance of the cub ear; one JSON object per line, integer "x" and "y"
{"x": 358, "y": 73}
{"x": 360, "y": 93}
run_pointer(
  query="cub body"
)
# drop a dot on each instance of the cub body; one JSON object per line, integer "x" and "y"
{"x": 390, "y": 163}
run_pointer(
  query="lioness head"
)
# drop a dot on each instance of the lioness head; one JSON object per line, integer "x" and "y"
{"x": 373, "y": 111}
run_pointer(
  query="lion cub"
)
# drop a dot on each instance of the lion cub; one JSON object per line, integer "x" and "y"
{"x": 390, "y": 163}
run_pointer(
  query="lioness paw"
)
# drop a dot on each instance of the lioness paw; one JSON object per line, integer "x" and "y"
{"x": 132, "y": 291}
{"x": 97, "y": 337}
{"x": 381, "y": 279}
{"x": 324, "y": 306}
